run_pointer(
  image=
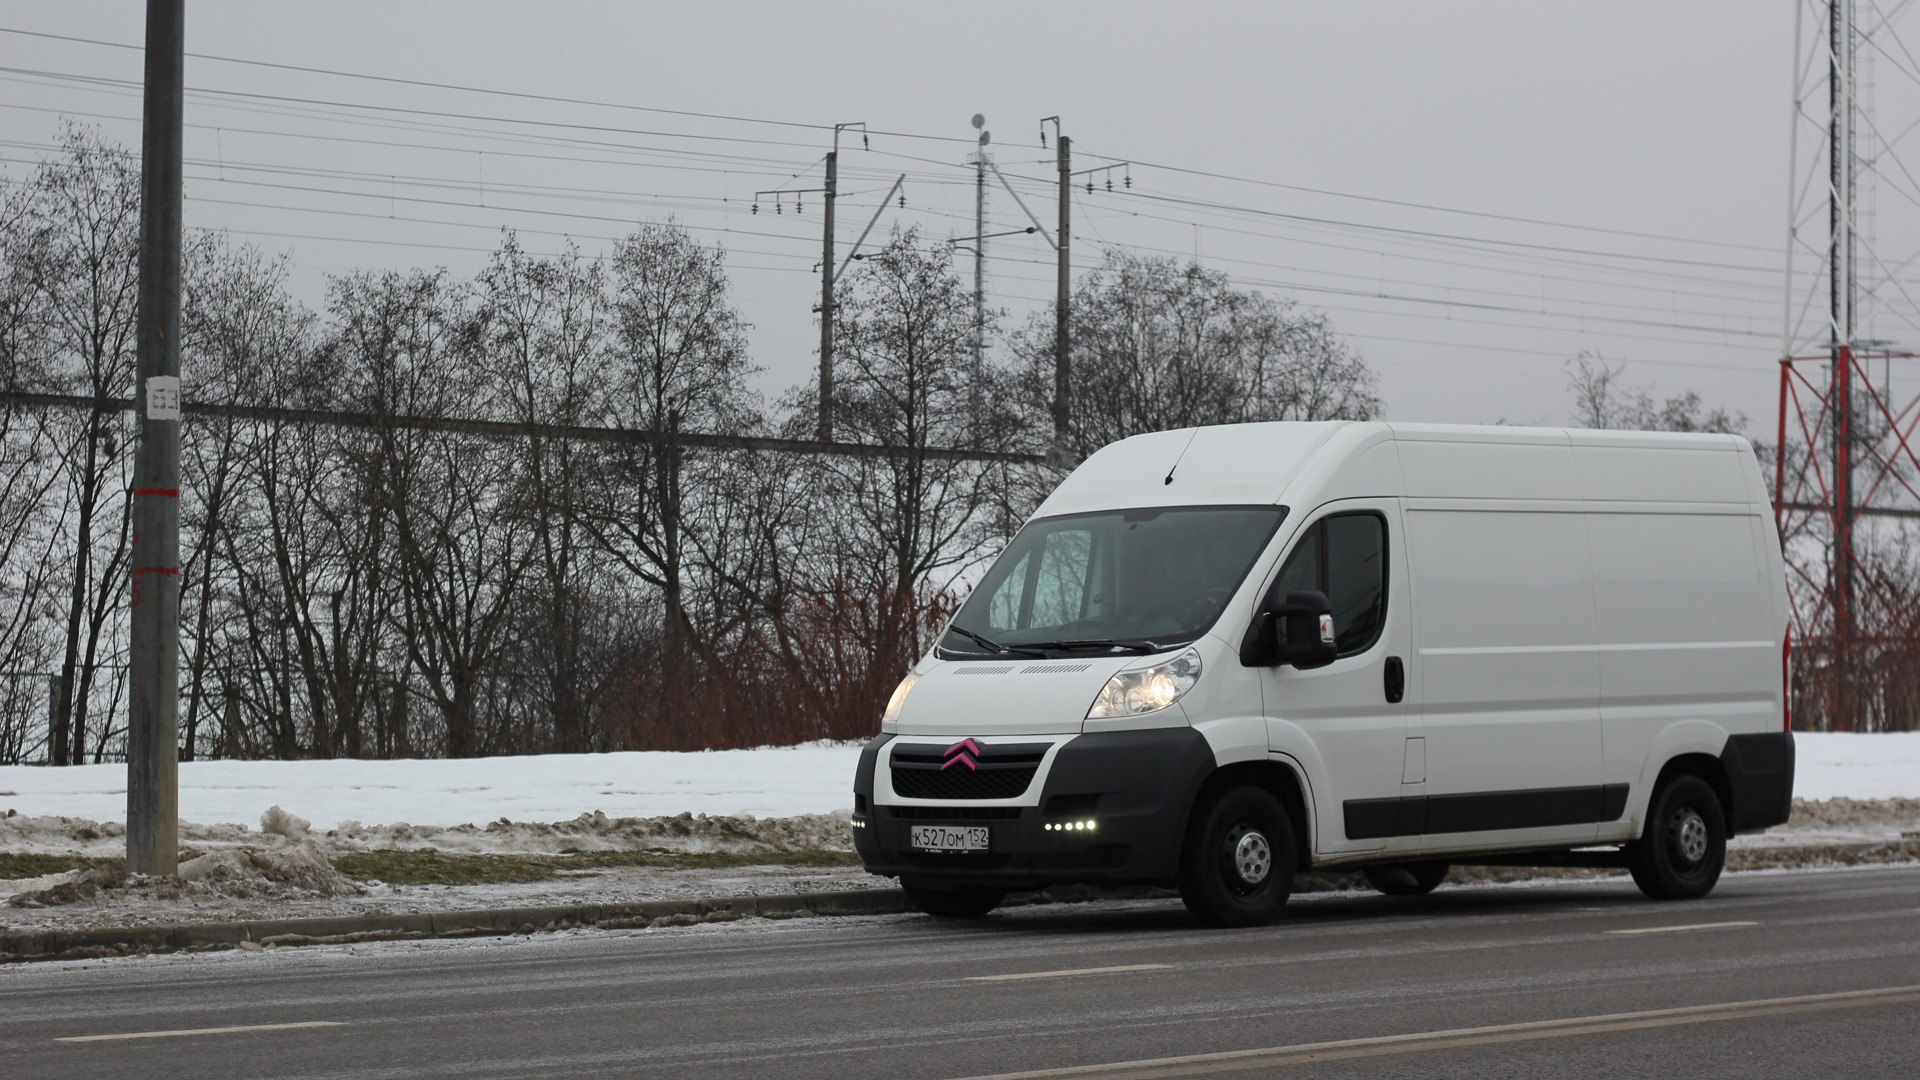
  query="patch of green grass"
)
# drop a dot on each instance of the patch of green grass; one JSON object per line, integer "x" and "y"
{"x": 707, "y": 860}
{"x": 398, "y": 867}
{"x": 436, "y": 868}
{"x": 22, "y": 865}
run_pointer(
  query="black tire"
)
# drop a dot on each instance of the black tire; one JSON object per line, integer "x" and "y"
{"x": 1684, "y": 847}
{"x": 1406, "y": 879}
{"x": 952, "y": 903}
{"x": 1237, "y": 866}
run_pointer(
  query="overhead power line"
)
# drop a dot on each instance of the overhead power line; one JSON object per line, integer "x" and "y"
{"x": 492, "y": 91}
{"x": 1434, "y": 207}
{"x": 506, "y": 429}
{"x": 768, "y": 121}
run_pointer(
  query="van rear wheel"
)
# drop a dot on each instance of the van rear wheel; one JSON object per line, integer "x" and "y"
{"x": 1684, "y": 847}
{"x": 952, "y": 903}
{"x": 1237, "y": 866}
{"x": 1406, "y": 879}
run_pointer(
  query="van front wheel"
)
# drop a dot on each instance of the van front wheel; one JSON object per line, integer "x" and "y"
{"x": 1237, "y": 866}
{"x": 1684, "y": 847}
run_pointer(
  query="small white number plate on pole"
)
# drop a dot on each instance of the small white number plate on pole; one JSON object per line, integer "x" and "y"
{"x": 163, "y": 397}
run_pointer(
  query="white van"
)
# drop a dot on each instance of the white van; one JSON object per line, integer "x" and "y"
{"x": 1219, "y": 655}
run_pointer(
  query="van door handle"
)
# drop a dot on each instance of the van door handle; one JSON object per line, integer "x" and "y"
{"x": 1396, "y": 679}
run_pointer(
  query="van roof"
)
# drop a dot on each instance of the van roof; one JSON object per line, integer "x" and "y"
{"x": 1309, "y": 462}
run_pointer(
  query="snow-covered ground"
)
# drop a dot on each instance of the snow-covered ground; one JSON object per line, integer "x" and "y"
{"x": 1831, "y": 766}
{"x": 775, "y": 782}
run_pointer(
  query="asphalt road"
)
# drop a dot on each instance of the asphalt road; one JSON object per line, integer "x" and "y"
{"x": 1802, "y": 975}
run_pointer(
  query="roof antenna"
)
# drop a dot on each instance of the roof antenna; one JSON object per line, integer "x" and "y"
{"x": 1183, "y": 454}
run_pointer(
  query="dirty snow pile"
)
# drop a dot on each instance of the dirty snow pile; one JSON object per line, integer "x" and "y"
{"x": 54, "y": 834}
{"x": 282, "y": 864}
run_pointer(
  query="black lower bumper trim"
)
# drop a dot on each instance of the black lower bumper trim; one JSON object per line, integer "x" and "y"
{"x": 1759, "y": 772}
{"x": 1135, "y": 786}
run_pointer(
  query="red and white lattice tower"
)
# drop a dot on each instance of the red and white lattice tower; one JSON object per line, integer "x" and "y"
{"x": 1846, "y": 473}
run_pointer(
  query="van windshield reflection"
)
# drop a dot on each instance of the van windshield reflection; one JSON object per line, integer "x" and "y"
{"x": 1136, "y": 581}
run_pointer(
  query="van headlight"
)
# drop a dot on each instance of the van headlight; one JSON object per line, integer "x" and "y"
{"x": 899, "y": 698}
{"x": 1146, "y": 690}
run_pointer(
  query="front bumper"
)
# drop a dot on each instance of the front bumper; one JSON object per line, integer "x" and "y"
{"x": 1136, "y": 786}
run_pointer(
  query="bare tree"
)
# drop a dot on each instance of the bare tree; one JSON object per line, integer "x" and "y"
{"x": 679, "y": 363}
{"x": 1158, "y": 345}
{"x": 406, "y": 343}
{"x": 891, "y": 526}
{"x": 27, "y": 478}
{"x": 77, "y": 244}
{"x": 239, "y": 329}
{"x": 1602, "y": 400}
{"x": 543, "y": 349}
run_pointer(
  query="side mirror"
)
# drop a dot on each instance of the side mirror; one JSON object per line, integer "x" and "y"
{"x": 1298, "y": 632}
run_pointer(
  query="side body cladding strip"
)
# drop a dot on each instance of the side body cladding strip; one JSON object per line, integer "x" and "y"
{"x": 1418, "y": 815}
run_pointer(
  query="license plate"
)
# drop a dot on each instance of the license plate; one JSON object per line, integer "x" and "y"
{"x": 949, "y": 837}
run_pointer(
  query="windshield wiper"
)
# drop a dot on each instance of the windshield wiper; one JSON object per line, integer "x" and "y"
{"x": 1141, "y": 646}
{"x": 991, "y": 645}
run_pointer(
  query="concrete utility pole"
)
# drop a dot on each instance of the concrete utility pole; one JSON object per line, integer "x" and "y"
{"x": 827, "y": 274}
{"x": 1841, "y": 284}
{"x": 825, "y": 434}
{"x": 153, "y": 724}
{"x": 1062, "y": 359}
{"x": 979, "y": 256}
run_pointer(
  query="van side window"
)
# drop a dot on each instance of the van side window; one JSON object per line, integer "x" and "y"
{"x": 1344, "y": 556}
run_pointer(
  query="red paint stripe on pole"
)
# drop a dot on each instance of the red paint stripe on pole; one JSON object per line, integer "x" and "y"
{"x": 167, "y": 570}
{"x": 168, "y": 493}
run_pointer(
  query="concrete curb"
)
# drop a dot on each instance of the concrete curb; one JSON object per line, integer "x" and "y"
{"x": 201, "y": 937}
{"x": 107, "y": 941}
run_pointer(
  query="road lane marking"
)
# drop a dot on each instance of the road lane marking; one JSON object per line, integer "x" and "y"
{"x": 199, "y": 1031}
{"x": 1678, "y": 929}
{"x": 1456, "y": 1038}
{"x": 1018, "y": 976}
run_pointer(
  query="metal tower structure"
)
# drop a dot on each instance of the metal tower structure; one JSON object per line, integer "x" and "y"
{"x": 1846, "y": 476}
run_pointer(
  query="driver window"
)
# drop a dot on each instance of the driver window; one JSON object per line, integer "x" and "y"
{"x": 1344, "y": 556}
{"x": 1060, "y": 592}
{"x": 1003, "y": 613}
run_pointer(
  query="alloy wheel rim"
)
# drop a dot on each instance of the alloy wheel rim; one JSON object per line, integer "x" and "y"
{"x": 1690, "y": 835}
{"x": 1249, "y": 857}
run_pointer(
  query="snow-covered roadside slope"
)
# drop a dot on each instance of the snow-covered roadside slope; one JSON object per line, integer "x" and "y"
{"x": 774, "y": 782}
{"x": 1833, "y": 766}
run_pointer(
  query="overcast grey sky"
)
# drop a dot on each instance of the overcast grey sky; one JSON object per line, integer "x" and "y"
{"x": 1659, "y": 129}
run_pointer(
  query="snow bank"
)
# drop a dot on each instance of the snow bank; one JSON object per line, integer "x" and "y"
{"x": 1831, "y": 766}
{"x": 778, "y": 783}
{"x": 775, "y": 782}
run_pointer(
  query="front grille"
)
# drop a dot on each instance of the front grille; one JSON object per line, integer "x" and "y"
{"x": 1002, "y": 771}
{"x": 954, "y": 813}
{"x": 986, "y": 782}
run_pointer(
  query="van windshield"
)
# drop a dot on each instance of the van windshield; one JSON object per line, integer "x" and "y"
{"x": 1139, "y": 580}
